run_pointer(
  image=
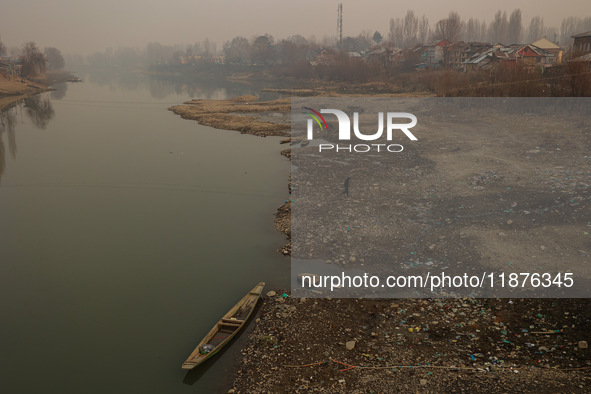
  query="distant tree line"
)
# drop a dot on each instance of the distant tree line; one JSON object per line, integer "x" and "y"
{"x": 34, "y": 61}
{"x": 507, "y": 29}
{"x": 263, "y": 50}
{"x": 154, "y": 53}
{"x": 403, "y": 32}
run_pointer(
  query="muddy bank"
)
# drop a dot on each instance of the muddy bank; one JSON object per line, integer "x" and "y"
{"x": 13, "y": 89}
{"x": 325, "y": 89}
{"x": 386, "y": 346}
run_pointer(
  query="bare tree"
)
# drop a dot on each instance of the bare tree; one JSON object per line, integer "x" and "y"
{"x": 483, "y": 31}
{"x": 126, "y": 56}
{"x": 515, "y": 30}
{"x": 573, "y": 25}
{"x": 410, "y": 29}
{"x": 2, "y": 49}
{"x": 424, "y": 30}
{"x": 567, "y": 29}
{"x": 294, "y": 50}
{"x": 33, "y": 60}
{"x": 360, "y": 43}
{"x": 498, "y": 29}
{"x": 155, "y": 53}
{"x": 237, "y": 51}
{"x": 395, "y": 35}
{"x": 298, "y": 39}
{"x": 262, "y": 50}
{"x": 55, "y": 60}
{"x": 551, "y": 33}
{"x": 206, "y": 48}
{"x": 471, "y": 27}
{"x": 450, "y": 28}
{"x": 535, "y": 30}
{"x": 475, "y": 30}
{"x": 287, "y": 52}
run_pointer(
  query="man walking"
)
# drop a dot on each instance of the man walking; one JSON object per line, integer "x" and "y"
{"x": 346, "y": 191}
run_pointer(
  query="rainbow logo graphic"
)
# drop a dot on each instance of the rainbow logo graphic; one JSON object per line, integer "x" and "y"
{"x": 317, "y": 117}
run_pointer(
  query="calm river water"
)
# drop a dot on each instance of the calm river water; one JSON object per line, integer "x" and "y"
{"x": 126, "y": 232}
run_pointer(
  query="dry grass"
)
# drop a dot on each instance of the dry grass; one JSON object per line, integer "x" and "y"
{"x": 236, "y": 114}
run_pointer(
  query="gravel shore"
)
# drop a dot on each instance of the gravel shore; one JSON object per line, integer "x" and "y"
{"x": 437, "y": 345}
{"x": 409, "y": 345}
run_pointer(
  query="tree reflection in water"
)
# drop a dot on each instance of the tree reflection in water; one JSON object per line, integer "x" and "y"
{"x": 60, "y": 91}
{"x": 7, "y": 125}
{"x": 39, "y": 109}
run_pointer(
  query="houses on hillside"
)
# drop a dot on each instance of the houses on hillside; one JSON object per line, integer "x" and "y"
{"x": 432, "y": 53}
{"x": 582, "y": 44}
{"x": 470, "y": 56}
{"x": 550, "y": 47}
{"x": 11, "y": 66}
{"x": 475, "y": 56}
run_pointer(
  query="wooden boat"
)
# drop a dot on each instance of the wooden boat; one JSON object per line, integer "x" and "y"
{"x": 291, "y": 141}
{"x": 225, "y": 329}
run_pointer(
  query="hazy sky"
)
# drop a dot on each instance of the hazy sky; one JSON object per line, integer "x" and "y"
{"x": 87, "y": 26}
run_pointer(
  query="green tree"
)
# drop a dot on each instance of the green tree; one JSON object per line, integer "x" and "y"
{"x": 377, "y": 37}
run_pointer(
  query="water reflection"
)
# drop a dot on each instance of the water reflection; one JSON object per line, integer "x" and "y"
{"x": 40, "y": 110}
{"x": 59, "y": 92}
{"x": 231, "y": 350}
{"x": 37, "y": 108}
{"x": 161, "y": 86}
{"x": 104, "y": 225}
{"x": 7, "y": 126}
{"x": 115, "y": 80}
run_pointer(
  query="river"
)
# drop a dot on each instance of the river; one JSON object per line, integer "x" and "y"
{"x": 126, "y": 232}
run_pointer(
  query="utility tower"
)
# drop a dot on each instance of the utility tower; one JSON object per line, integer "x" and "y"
{"x": 340, "y": 26}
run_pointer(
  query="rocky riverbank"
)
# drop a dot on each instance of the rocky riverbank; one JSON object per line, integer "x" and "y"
{"x": 410, "y": 345}
{"x": 535, "y": 203}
